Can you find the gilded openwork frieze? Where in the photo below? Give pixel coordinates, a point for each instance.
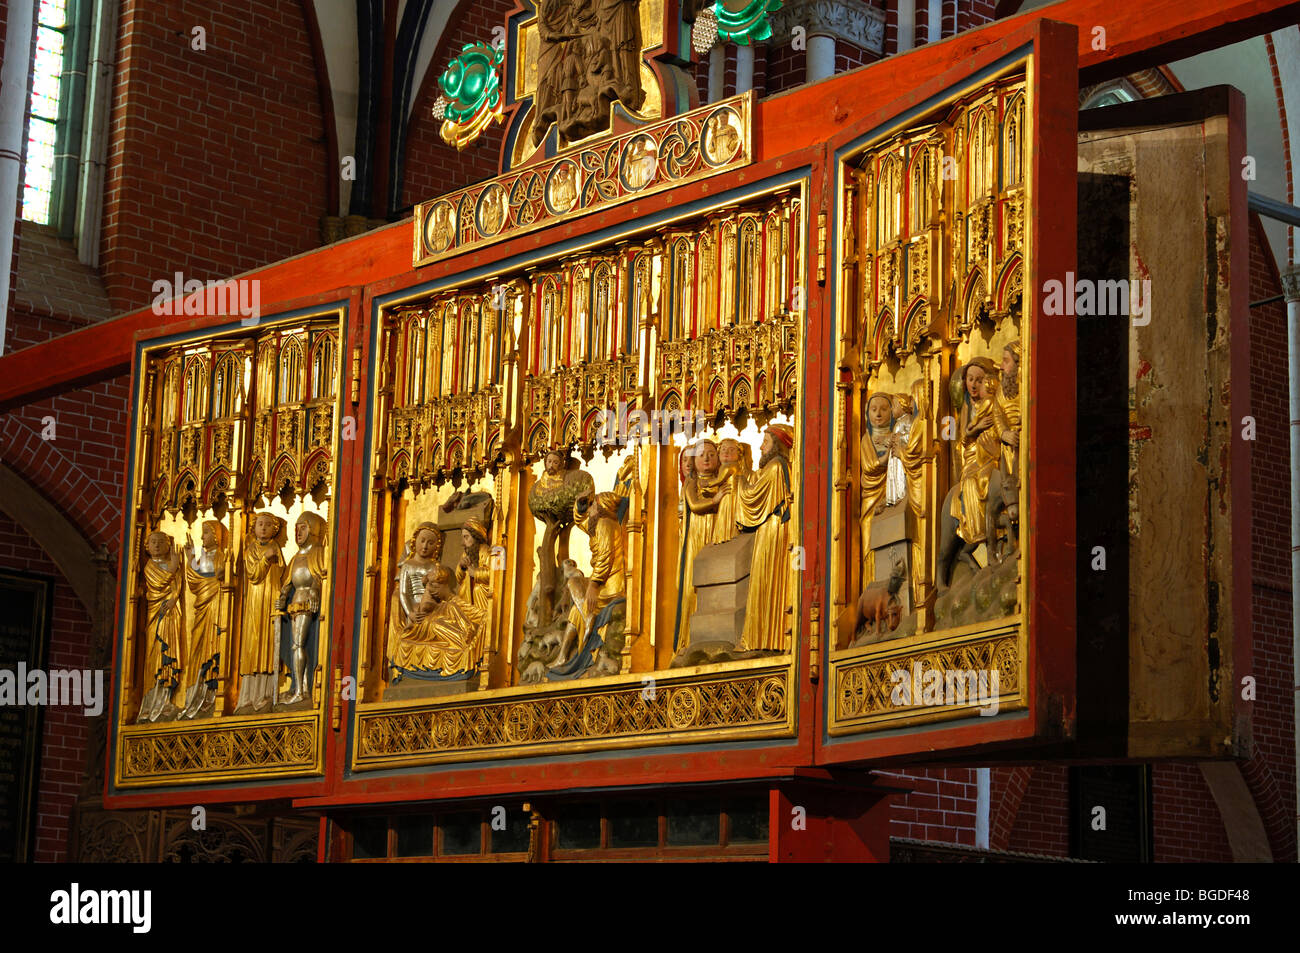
(899, 685)
(267, 748)
(235, 450)
(601, 174)
(930, 511)
(589, 469)
(754, 703)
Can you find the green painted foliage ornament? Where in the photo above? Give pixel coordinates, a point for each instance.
(471, 88)
(745, 21)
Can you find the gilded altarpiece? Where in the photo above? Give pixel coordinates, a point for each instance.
(229, 558)
(930, 477)
(583, 522)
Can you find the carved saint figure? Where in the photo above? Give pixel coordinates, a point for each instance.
(204, 574)
(259, 646)
(444, 636)
(721, 136)
(976, 454)
(1004, 481)
(551, 500)
(892, 455)
(700, 498)
(602, 602)
(300, 601)
(164, 623)
(492, 213)
(440, 230)
(639, 167)
(423, 550)
(474, 573)
(735, 464)
(763, 508)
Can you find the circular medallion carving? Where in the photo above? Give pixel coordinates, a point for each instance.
(519, 722)
(722, 136)
(491, 210)
(639, 163)
(440, 227)
(597, 715)
(771, 698)
(683, 707)
(562, 185)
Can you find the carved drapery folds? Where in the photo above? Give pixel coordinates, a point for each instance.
(233, 480)
(563, 411)
(930, 467)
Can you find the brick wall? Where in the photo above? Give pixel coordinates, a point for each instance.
(64, 730)
(973, 13)
(1042, 823)
(1274, 715)
(217, 157)
(1186, 820)
(80, 471)
(940, 806)
(433, 167)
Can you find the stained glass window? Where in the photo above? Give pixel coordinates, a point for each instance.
(39, 185)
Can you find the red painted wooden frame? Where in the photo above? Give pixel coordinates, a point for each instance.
(788, 129)
(1050, 571)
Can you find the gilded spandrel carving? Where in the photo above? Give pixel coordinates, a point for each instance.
(932, 475)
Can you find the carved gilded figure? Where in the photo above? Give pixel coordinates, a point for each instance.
(599, 615)
(444, 633)
(1003, 515)
(300, 601)
(977, 452)
(763, 508)
(474, 573)
(589, 56)
(700, 498)
(164, 623)
(640, 163)
(721, 138)
(259, 647)
(735, 464)
(892, 456)
(422, 552)
(205, 572)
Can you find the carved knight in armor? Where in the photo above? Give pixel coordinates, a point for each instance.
(299, 605)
